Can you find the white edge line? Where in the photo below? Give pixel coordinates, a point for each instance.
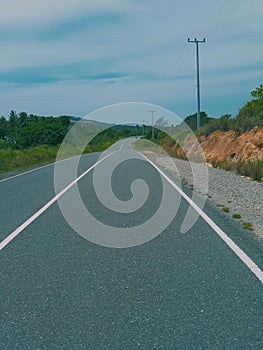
(35, 169)
(231, 244)
(41, 167)
(19, 229)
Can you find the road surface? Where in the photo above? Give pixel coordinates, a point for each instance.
(60, 290)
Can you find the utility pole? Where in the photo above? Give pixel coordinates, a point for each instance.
(143, 128)
(198, 82)
(152, 122)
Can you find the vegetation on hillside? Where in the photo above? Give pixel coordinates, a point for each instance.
(248, 117)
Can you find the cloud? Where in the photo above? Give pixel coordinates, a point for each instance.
(43, 12)
(115, 50)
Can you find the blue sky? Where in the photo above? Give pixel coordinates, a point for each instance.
(73, 57)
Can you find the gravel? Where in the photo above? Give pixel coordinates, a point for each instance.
(235, 194)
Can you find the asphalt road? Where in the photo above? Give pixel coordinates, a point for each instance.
(60, 290)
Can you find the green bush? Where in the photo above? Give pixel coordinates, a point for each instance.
(249, 116)
(236, 216)
(14, 159)
(248, 226)
(225, 209)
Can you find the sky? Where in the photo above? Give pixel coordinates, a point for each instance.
(76, 56)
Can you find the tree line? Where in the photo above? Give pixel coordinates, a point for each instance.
(21, 131)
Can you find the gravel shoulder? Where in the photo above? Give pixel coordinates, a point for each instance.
(234, 194)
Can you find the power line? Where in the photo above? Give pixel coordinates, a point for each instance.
(185, 54)
(205, 17)
(216, 14)
(177, 69)
(224, 17)
(212, 18)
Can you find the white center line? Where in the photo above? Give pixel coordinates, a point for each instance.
(231, 244)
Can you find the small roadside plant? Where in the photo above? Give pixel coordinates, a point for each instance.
(236, 216)
(225, 209)
(248, 226)
(217, 165)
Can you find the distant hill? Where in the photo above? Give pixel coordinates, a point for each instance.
(74, 119)
(89, 121)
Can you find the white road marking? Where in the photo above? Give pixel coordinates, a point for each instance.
(121, 146)
(41, 167)
(16, 232)
(231, 244)
(35, 169)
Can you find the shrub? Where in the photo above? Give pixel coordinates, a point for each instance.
(253, 169)
(225, 209)
(256, 169)
(248, 226)
(236, 216)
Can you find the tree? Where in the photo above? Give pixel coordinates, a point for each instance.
(42, 130)
(3, 128)
(191, 120)
(23, 119)
(225, 122)
(258, 93)
(251, 114)
(13, 127)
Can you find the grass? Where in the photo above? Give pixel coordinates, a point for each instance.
(253, 169)
(20, 159)
(145, 145)
(98, 147)
(12, 160)
(16, 159)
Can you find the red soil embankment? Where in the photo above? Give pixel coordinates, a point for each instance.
(221, 146)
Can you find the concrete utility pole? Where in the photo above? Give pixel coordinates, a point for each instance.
(143, 128)
(198, 82)
(152, 122)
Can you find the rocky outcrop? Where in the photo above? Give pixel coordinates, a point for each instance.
(221, 146)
